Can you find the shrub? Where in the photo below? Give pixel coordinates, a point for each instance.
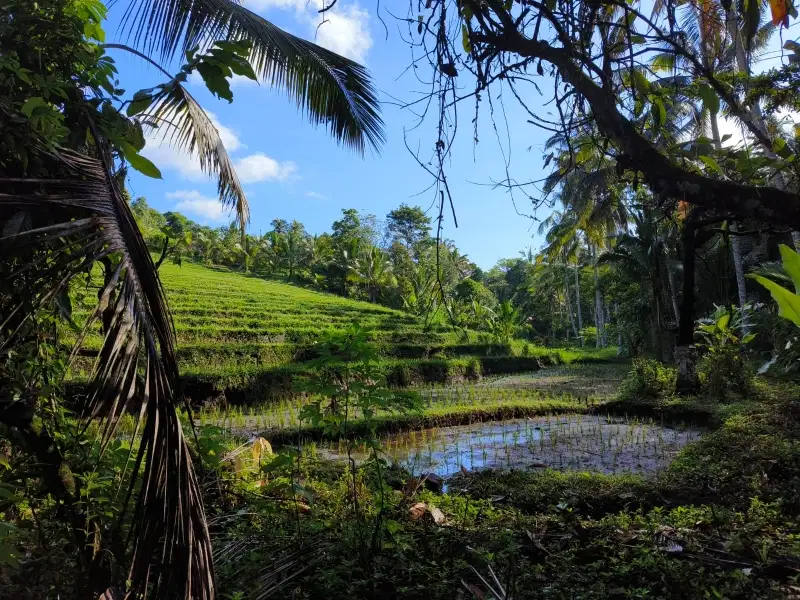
(649, 379)
(589, 335)
(722, 368)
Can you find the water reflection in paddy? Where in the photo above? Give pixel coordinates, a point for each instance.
(580, 442)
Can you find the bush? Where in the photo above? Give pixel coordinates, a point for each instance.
(722, 368)
(724, 372)
(647, 379)
(589, 335)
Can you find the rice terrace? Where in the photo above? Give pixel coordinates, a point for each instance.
(490, 301)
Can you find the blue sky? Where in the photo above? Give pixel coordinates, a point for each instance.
(292, 170)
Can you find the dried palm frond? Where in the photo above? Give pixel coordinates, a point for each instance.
(190, 130)
(77, 219)
(294, 560)
(329, 88)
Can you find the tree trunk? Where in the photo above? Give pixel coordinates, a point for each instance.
(598, 302)
(673, 288)
(569, 304)
(796, 240)
(738, 266)
(736, 242)
(686, 382)
(656, 278)
(578, 301)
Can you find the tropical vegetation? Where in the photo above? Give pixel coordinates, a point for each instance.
(198, 412)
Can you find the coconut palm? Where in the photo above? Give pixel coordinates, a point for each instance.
(504, 321)
(373, 270)
(62, 210)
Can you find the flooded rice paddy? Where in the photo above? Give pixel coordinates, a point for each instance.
(575, 442)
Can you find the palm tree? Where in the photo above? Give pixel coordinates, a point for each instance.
(504, 322)
(373, 269)
(724, 46)
(63, 210)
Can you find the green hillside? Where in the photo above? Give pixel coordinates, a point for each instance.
(247, 339)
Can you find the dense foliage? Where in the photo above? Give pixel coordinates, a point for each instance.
(664, 240)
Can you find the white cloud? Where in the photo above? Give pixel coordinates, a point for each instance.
(167, 158)
(345, 29)
(316, 195)
(260, 167)
(258, 5)
(194, 203)
(346, 33)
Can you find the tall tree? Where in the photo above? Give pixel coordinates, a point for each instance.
(373, 270)
(409, 225)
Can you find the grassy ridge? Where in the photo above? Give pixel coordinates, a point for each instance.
(247, 339)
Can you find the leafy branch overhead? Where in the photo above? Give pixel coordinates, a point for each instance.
(177, 118)
(632, 77)
(330, 89)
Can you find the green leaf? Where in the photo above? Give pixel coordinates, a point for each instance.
(748, 338)
(32, 104)
(280, 461)
(215, 80)
(788, 303)
(712, 164)
(241, 66)
(722, 322)
(640, 82)
(584, 154)
(659, 112)
(781, 148)
(139, 162)
(140, 103)
(465, 39)
(709, 98)
(791, 264)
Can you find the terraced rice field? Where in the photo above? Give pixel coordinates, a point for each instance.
(245, 339)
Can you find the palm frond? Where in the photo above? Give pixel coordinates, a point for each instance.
(190, 130)
(80, 218)
(328, 88)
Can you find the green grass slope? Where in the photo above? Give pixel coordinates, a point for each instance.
(247, 339)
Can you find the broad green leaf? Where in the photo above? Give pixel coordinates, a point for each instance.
(32, 104)
(722, 322)
(241, 66)
(584, 154)
(658, 112)
(139, 162)
(141, 102)
(215, 80)
(781, 148)
(465, 43)
(712, 164)
(788, 303)
(791, 264)
(748, 338)
(709, 98)
(640, 82)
